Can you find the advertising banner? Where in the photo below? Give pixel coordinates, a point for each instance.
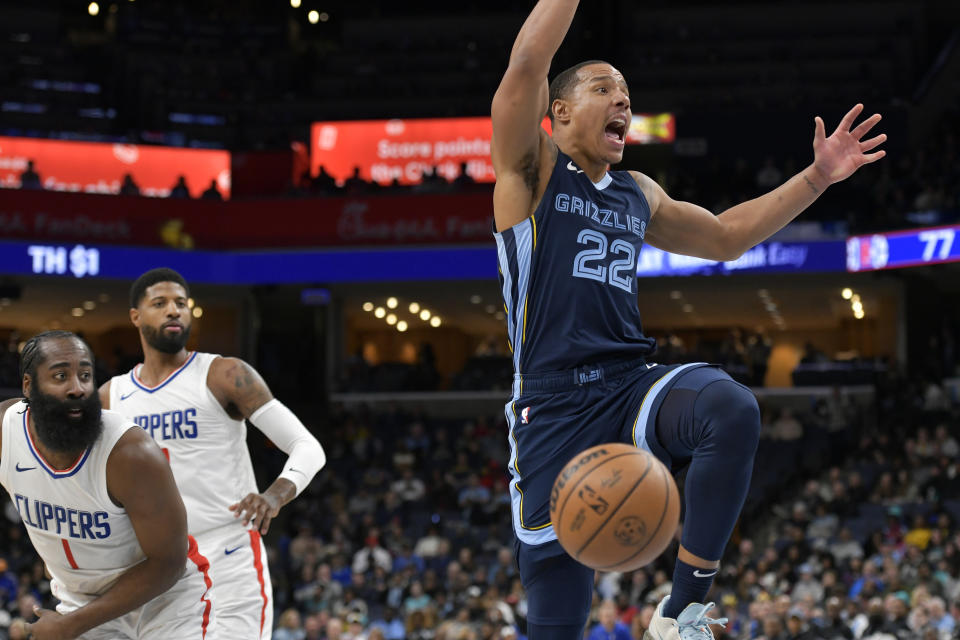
(402, 150)
(374, 264)
(189, 224)
(99, 167)
(766, 257)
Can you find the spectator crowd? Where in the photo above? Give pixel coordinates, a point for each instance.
(849, 531)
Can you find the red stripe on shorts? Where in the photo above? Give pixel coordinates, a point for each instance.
(69, 553)
(203, 566)
(258, 565)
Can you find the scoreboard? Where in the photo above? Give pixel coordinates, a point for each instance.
(897, 249)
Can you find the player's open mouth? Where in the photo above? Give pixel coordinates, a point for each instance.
(75, 413)
(616, 130)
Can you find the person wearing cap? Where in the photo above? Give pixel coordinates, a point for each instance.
(796, 626)
(834, 627)
(807, 585)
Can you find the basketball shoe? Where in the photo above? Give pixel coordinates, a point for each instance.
(691, 624)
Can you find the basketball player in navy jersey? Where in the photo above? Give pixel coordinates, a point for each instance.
(568, 235)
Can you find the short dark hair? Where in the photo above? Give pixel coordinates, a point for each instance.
(565, 81)
(30, 355)
(161, 274)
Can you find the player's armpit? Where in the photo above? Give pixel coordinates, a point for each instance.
(140, 480)
(238, 387)
(517, 193)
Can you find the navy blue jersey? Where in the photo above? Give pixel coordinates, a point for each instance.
(568, 273)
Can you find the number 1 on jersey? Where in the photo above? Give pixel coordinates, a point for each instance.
(67, 552)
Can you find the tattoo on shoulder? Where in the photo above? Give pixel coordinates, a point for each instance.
(243, 378)
(249, 392)
(810, 184)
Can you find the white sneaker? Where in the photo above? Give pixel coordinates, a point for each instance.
(691, 624)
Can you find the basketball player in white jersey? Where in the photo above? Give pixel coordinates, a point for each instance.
(194, 405)
(100, 506)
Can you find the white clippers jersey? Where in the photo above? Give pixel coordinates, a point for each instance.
(207, 448)
(85, 539)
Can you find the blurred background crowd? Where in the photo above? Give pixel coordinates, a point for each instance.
(849, 531)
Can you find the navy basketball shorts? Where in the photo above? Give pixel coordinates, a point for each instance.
(552, 417)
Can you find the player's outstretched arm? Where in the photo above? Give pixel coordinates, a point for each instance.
(140, 480)
(681, 227)
(244, 394)
(519, 106)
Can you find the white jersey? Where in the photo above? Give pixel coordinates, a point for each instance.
(85, 540)
(207, 448)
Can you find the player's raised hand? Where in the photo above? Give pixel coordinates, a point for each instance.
(259, 508)
(845, 151)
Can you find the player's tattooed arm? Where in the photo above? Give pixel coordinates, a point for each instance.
(238, 387)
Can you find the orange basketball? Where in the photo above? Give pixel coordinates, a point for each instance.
(614, 507)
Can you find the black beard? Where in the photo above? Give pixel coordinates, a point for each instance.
(60, 432)
(165, 343)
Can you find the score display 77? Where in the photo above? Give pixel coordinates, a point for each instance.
(903, 249)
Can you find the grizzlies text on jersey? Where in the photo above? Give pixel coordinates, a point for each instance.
(568, 273)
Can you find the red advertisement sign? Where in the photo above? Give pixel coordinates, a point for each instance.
(387, 150)
(97, 167)
(209, 224)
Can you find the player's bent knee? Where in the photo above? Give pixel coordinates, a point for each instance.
(735, 416)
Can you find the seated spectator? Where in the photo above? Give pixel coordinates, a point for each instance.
(834, 627)
(355, 185)
(212, 192)
(30, 179)
(129, 187)
(372, 554)
(464, 180)
(846, 547)
(180, 189)
(289, 627)
(335, 629)
(919, 535)
(786, 427)
(808, 586)
(324, 183)
(773, 628)
(417, 599)
(608, 627)
(409, 488)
